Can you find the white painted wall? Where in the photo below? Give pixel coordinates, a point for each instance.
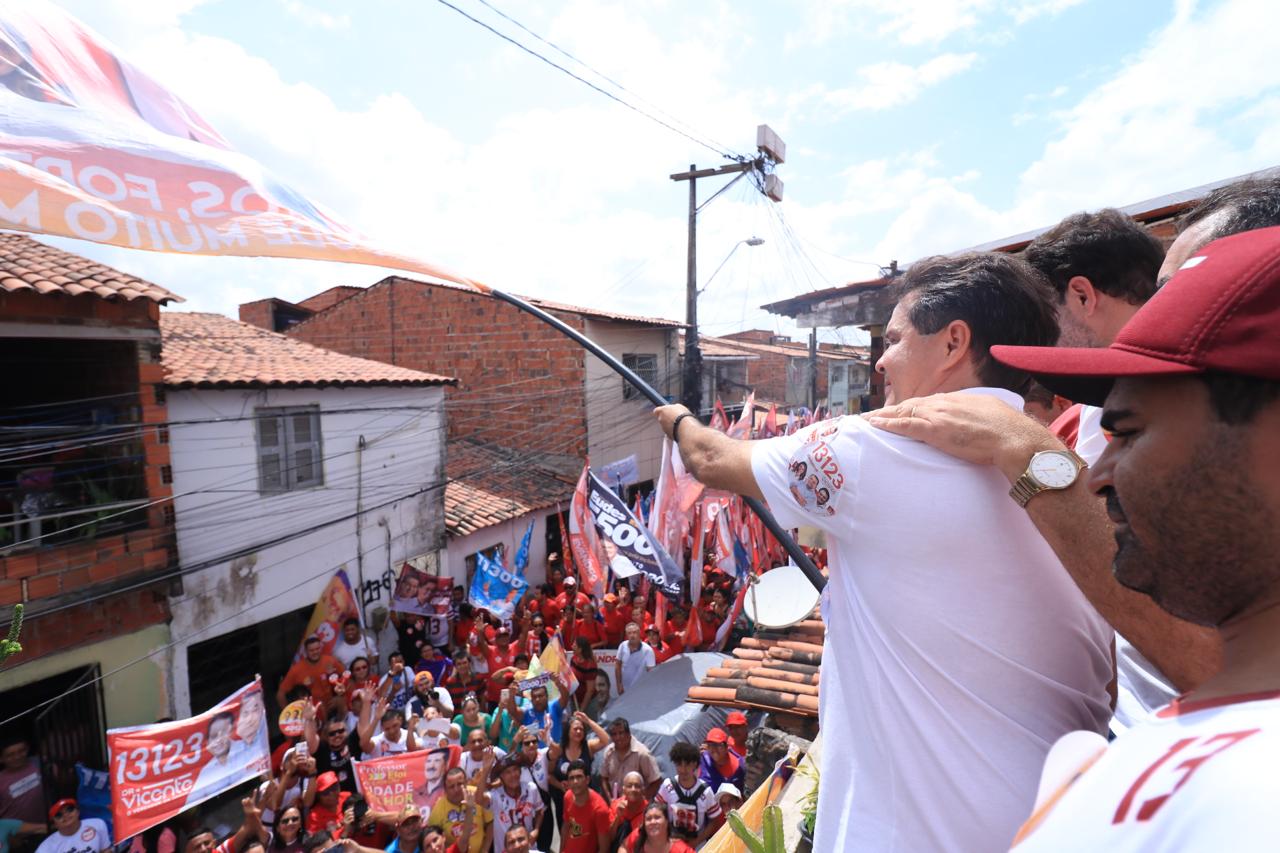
(509, 534)
(617, 427)
(219, 509)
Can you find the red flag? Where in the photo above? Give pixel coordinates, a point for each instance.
(741, 428)
(566, 549)
(693, 629)
(771, 421)
(586, 546)
(719, 417)
(660, 615)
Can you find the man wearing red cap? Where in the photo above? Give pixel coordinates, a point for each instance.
(1190, 390)
(736, 725)
(720, 763)
(74, 834)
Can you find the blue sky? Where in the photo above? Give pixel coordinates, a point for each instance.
(913, 127)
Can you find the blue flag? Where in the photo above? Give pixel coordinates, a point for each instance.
(495, 589)
(522, 553)
(94, 793)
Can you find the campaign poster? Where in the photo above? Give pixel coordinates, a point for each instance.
(629, 545)
(161, 770)
(495, 589)
(424, 595)
(391, 782)
(337, 604)
(605, 659)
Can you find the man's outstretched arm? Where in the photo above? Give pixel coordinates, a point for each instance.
(986, 431)
(709, 455)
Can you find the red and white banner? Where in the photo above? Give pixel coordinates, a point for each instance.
(94, 148)
(159, 771)
(391, 782)
(583, 539)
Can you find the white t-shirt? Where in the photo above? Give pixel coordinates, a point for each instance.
(509, 811)
(92, 837)
(470, 765)
(958, 649)
(689, 809)
(362, 647)
(1193, 776)
(536, 772)
(383, 745)
(1140, 686)
(635, 664)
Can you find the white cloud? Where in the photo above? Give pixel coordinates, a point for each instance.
(917, 22)
(316, 17)
(891, 84)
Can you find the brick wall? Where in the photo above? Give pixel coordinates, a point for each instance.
(92, 622)
(43, 574)
(258, 314)
(520, 381)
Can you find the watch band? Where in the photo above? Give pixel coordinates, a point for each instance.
(1024, 490)
(675, 425)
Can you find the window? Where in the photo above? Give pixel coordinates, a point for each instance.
(289, 449)
(643, 365)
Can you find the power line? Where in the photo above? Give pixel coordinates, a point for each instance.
(586, 82)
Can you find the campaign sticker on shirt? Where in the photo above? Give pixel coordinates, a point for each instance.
(89, 834)
(814, 472)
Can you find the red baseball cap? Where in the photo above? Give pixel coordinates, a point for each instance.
(735, 718)
(60, 805)
(326, 780)
(717, 735)
(1219, 312)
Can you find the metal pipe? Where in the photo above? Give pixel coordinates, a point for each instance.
(793, 550)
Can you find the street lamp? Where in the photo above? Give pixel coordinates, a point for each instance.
(692, 352)
(750, 241)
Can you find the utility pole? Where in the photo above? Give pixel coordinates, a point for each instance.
(813, 369)
(772, 152)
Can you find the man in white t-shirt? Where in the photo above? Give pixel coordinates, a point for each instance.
(353, 644)
(1191, 394)
(514, 802)
(74, 834)
(635, 658)
(958, 649)
(394, 738)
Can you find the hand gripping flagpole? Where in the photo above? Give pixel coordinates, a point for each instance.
(793, 550)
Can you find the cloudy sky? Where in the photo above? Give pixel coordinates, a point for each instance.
(913, 127)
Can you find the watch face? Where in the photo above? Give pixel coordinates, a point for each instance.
(1053, 469)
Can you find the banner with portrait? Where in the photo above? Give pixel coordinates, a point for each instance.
(629, 545)
(495, 589)
(391, 782)
(161, 770)
(425, 595)
(337, 604)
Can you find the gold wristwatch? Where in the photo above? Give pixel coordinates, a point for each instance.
(1047, 470)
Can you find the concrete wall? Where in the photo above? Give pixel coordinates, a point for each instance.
(219, 508)
(617, 427)
(508, 534)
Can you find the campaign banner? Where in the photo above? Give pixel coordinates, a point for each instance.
(624, 472)
(522, 553)
(391, 782)
(93, 793)
(605, 659)
(495, 589)
(425, 595)
(92, 147)
(628, 544)
(159, 771)
(337, 604)
(584, 541)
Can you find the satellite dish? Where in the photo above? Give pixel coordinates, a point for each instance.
(780, 598)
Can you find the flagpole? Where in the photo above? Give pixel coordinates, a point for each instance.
(793, 550)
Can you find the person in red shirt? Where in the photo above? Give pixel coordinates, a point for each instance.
(661, 651)
(628, 809)
(325, 801)
(656, 829)
(312, 671)
(565, 600)
(583, 661)
(555, 573)
(548, 606)
(615, 620)
(736, 725)
(499, 655)
(463, 680)
(587, 818)
(677, 624)
(465, 626)
(587, 625)
(640, 616)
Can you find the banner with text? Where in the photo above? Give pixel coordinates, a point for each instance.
(495, 589)
(159, 771)
(337, 604)
(94, 148)
(428, 596)
(390, 782)
(629, 545)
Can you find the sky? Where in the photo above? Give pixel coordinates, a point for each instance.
(913, 127)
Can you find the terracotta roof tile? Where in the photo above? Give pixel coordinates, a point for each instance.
(27, 264)
(213, 351)
(489, 485)
(775, 671)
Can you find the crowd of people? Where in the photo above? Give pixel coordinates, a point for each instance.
(508, 769)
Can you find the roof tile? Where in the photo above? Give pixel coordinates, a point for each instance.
(28, 264)
(489, 485)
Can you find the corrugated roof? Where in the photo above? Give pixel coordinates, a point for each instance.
(212, 351)
(791, 306)
(27, 264)
(489, 485)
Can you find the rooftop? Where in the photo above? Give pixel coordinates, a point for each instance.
(27, 264)
(489, 485)
(731, 348)
(212, 351)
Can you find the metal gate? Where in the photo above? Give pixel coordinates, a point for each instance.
(70, 729)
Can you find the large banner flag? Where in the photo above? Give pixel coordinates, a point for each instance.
(583, 540)
(495, 589)
(630, 546)
(522, 553)
(160, 771)
(337, 604)
(92, 147)
(393, 781)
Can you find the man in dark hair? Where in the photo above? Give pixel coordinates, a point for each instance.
(1191, 394)
(1102, 266)
(691, 803)
(1245, 205)
(587, 819)
(944, 603)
